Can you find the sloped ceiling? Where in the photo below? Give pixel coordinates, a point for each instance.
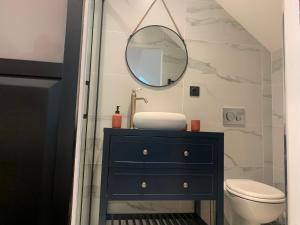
(262, 18)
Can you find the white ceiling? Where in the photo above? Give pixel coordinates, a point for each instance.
(262, 18)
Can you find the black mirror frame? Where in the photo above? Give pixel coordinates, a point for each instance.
(169, 83)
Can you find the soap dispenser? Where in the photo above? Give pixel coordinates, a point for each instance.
(117, 119)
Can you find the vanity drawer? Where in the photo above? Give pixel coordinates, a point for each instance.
(158, 150)
(155, 185)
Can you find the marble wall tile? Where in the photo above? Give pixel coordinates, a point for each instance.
(278, 119)
(267, 90)
(279, 178)
(268, 174)
(159, 99)
(116, 14)
(277, 88)
(207, 107)
(115, 91)
(158, 15)
(118, 88)
(278, 146)
(267, 111)
(216, 94)
(244, 172)
(208, 21)
(150, 206)
(277, 61)
(243, 147)
(278, 104)
(113, 53)
(229, 62)
(117, 19)
(106, 122)
(267, 144)
(267, 116)
(266, 65)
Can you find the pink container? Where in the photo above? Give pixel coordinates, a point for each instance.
(195, 125)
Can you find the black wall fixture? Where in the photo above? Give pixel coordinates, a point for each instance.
(37, 133)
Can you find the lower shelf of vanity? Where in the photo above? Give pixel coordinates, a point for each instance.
(154, 219)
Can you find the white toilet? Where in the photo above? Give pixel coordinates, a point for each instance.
(248, 202)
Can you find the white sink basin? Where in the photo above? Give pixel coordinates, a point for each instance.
(159, 121)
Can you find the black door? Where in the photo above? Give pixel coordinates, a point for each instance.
(37, 133)
(29, 118)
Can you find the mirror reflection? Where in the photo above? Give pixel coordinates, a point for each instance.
(156, 56)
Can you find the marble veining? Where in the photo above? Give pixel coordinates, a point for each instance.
(247, 132)
(277, 115)
(269, 162)
(267, 80)
(236, 46)
(277, 65)
(233, 161)
(211, 6)
(242, 47)
(278, 152)
(161, 42)
(267, 95)
(150, 206)
(235, 164)
(207, 68)
(212, 21)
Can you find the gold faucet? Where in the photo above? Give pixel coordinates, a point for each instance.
(133, 105)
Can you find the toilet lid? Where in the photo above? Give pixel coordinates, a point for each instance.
(254, 190)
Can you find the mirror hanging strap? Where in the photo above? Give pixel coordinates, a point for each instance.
(169, 13)
(148, 10)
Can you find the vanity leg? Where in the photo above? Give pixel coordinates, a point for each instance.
(219, 212)
(103, 211)
(104, 181)
(197, 207)
(220, 201)
(220, 188)
(103, 197)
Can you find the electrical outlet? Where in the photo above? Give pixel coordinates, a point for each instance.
(194, 91)
(234, 117)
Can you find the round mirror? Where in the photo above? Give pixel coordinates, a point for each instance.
(156, 56)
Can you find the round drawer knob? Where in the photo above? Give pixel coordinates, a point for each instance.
(144, 185)
(186, 153)
(185, 185)
(145, 152)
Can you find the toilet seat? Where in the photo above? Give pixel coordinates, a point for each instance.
(255, 191)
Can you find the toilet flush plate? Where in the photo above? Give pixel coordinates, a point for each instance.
(234, 117)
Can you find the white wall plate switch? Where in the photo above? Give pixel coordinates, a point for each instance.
(234, 117)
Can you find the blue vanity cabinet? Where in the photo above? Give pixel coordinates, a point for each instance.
(162, 165)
